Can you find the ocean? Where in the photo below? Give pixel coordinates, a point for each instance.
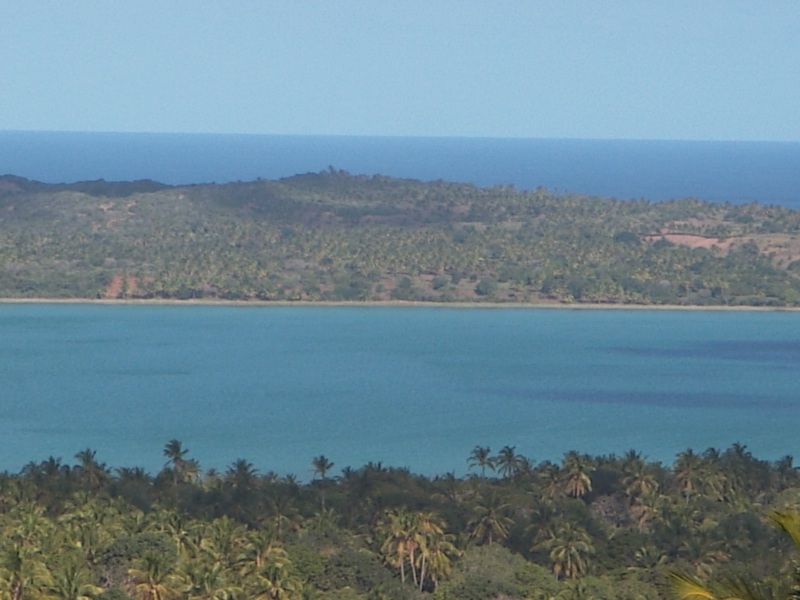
(736, 172)
(412, 387)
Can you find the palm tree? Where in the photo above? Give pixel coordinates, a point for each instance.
(321, 465)
(94, 473)
(525, 466)
(702, 552)
(786, 471)
(687, 587)
(439, 550)
(688, 470)
(174, 524)
(428, 529)
(176, 460)
(630, 458)
(87, 525)
(31, 527)
(238, 474)
(324, 522)
(154, 578)
(274, 583)
(417, 539)
(223, 540)
(481, 457)
(647, 507)
(399, 528)
(21, 567)
(260, 548)
(241, 476)
(507, 462)
(577, 470)
(71, 579)
(282, 512)
(570, 549)
(206, 580)
(491, 521)
(639, 480)
(550, 480)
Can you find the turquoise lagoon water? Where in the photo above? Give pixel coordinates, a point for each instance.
(413, 387)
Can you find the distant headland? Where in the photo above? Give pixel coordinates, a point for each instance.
(336, 237)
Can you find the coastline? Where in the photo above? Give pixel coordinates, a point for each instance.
(398, 304)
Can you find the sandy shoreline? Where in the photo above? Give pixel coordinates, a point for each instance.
(398, 304)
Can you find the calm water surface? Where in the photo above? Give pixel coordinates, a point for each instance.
(768, 172)
(416, 387)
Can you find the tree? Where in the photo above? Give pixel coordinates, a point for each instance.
(688, 470)
(21, 567)
(224, 538)
(241, 475)
(550, 480)
(94, 473)
(274, 582)
(491, 521)
(428, 531)
(570, 549)
(282, 512)
(154, 577)
(182, 469)
(639, 480)
(398, 527)
(577, 470)
(241, 480)
(207, 580)
(70, 579)
(321, 465)
(507, 462)
(260, 549)
(481, 457)
(687, 587)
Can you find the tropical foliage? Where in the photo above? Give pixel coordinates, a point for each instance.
(584, 527)
(332, 236)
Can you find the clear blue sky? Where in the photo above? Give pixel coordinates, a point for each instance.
(677, 69)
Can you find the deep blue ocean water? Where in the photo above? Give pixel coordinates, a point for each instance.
(415, 387)
(735, 172)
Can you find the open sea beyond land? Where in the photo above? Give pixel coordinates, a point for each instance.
(413, 387)
(736, 172)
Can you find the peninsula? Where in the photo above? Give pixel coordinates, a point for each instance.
(337, 237)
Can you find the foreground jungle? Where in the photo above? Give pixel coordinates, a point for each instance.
(333, 236)
(605, 527)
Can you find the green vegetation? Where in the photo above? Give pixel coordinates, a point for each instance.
(333, 236)
(607, 527)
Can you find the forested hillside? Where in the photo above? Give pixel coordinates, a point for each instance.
(332, 236)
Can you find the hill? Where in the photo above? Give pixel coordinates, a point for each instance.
(333, 236)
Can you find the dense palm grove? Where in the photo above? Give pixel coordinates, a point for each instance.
(586, 527)
(332, 236)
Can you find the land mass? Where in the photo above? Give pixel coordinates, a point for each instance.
(337, 237)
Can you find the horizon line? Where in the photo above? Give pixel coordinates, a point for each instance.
(396, 136)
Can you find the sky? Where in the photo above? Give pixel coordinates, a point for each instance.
(611, 69)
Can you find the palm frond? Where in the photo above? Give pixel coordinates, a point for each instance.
(789, 522)
(685, 587)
